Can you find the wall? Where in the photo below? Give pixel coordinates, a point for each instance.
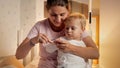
(9, 24)
(30, 13)
(109, 34)
(16, 14)
(16, 19)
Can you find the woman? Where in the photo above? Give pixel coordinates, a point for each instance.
(49, 29)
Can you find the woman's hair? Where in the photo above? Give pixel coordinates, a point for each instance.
(74, 16)
(51, 3)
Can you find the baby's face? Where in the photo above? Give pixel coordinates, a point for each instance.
(73, 29)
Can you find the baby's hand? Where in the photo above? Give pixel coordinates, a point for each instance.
(61, 43)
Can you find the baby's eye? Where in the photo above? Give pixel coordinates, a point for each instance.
(62, 14)
(67, 28)
(73, 28)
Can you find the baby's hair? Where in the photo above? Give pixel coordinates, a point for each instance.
(51, 3)
(77, 15)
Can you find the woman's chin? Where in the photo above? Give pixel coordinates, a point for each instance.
(57, 25)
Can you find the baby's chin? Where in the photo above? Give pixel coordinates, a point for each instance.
(69, 37)
(72, 38)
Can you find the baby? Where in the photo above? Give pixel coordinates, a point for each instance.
(74, 27)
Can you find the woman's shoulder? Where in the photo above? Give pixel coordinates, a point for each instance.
(41, 23)
(44, 21)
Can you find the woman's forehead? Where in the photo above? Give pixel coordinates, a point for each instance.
(58, 9)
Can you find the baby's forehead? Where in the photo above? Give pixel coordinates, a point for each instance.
(72, 20)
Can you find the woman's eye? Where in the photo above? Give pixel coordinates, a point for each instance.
(54, 15)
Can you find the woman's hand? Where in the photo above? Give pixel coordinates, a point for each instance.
(40, 38)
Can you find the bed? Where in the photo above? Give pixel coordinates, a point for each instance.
(33, 63)
(10, 62)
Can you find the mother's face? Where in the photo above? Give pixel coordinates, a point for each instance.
(57, 14)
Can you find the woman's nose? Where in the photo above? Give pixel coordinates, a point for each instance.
(58, 19)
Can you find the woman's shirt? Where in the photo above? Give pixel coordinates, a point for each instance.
(47, 60)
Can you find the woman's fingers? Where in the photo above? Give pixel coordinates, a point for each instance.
(40, 40)
(43, 38)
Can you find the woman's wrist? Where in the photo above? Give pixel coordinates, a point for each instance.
(32, 43)
(69, 47)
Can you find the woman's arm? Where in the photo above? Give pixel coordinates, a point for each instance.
(27, 44)
(90, 52)
(23, 49)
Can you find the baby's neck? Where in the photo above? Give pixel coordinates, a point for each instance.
(78, 39)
